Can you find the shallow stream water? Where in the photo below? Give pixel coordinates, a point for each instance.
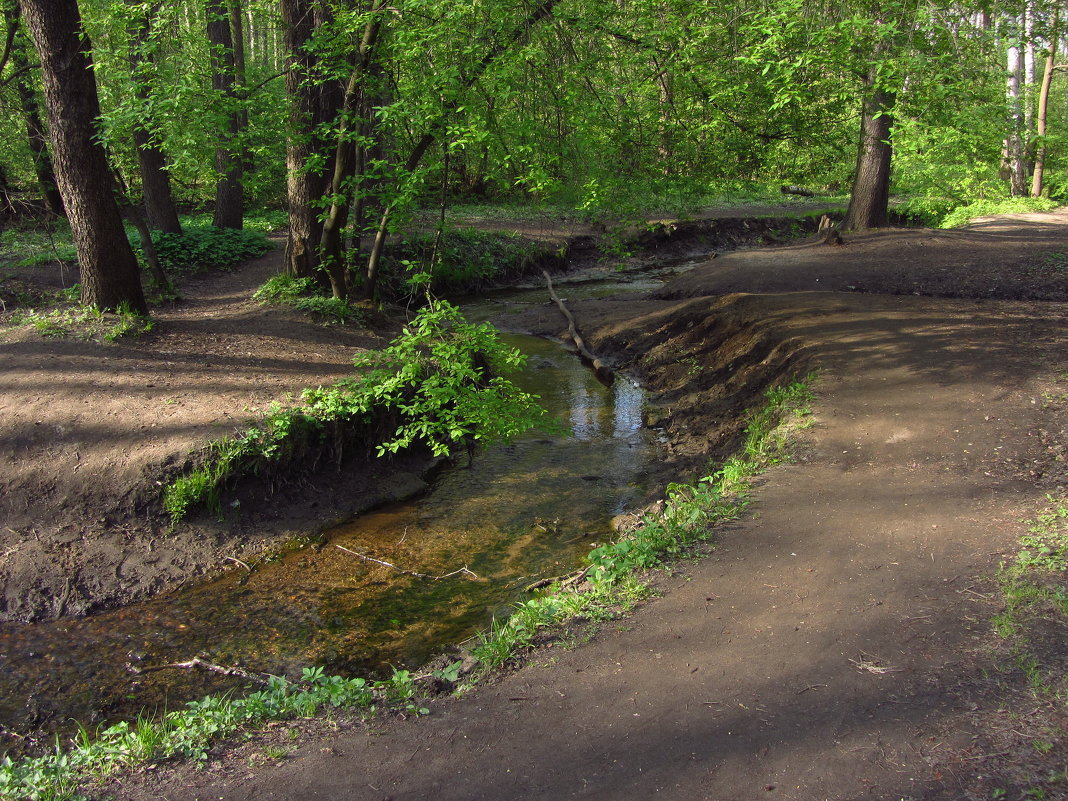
(522, 511)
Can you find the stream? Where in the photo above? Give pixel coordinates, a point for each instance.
(525, 510)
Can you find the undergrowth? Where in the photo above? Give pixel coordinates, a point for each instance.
(188, 732)
(611, 588)
(1035, 586)
(307, 295)
(201, 248)
(464, 260)
(961, 215)
(71, 319)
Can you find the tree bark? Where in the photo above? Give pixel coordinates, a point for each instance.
(871, 182)
(108, 267)
(346, 161)
(1038, 175)
(310, 104)
(155, 180)
(229, 189)
(1014, 149)
(31, 113)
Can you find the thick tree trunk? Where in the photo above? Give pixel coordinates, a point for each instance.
(155, 180)
(871, 182)
(109, 271)
(229, 190)
(310, 103)
(35, 131)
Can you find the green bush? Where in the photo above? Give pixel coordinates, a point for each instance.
(441, 383)
(197, 250)
(983, 208)
(467, 259)
(306, 295)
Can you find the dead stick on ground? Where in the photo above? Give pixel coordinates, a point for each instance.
(565, 580)
(197, 662)
(462, 571)
(600, 368)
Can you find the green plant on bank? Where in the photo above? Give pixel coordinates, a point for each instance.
(1033, 583)
(188, 732)
(464, 260)
(441, 383)
(306, 295)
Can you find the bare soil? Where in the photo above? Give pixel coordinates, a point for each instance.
(835, 645)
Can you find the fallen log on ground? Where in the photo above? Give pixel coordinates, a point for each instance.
(600, 369)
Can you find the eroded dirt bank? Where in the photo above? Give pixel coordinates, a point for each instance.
(835, 645)
(90, 430)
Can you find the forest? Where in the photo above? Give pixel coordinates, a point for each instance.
(533, 399)
(355, 116)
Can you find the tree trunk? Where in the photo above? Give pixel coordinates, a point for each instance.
(1043, 106)
(310, 104)
(1014, 151)
(109, 271)
(155, 180)
(345, 159)
(229, 190)
(35, 131)
(871, 182)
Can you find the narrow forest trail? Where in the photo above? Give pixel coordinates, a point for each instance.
(836, 644)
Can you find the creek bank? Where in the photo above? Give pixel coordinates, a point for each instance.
(91, 431)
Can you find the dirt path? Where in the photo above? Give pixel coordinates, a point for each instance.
(835, 644)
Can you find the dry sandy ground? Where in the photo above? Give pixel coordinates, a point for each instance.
(836, 643)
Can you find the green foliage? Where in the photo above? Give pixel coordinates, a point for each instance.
(30, 243)
(200, 249)
(446, 379)
(962, 214)
(189, 732)
(441, 383)
(86, 322)
(466, 259)
(1034, 586)
(306, 295)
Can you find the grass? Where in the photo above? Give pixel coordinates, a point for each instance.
(613, 587)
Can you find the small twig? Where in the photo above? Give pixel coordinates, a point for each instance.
(197, 662)
(238, 561)
(463, 570)
(565, 580)
(9, 733)
(810, 687)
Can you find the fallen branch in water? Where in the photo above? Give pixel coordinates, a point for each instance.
(197, 662)
(565, 580)
(603, 371)
(462, 571)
